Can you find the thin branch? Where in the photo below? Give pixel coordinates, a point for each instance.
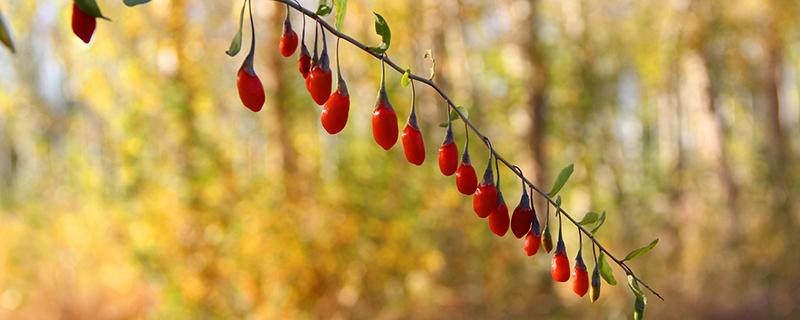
(484, 138)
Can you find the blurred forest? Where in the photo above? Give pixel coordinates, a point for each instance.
(134, 184)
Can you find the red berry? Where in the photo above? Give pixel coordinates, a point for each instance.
(319, 82)
(250, 89)
(532, 241)
(580, 278)
(485, 199)
(559, 269)
(82, 23)
(466, 179)
(448, 154)
(336, 109)
(413, 144)
(304, 62)
(498, 219)
(288, 39)
(384, 122)
(522, 217)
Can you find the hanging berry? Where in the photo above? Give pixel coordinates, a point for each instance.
(580, 278)
(485, 199)
(83, 24)
(289, 38)
(384, 119)
(320, 77)
(559, 269)
(336, 109)
(448, 152)
(251, 91)
(466, 179)
(522, 217)
(413, 144)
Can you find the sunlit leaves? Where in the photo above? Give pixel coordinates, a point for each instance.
(341, 10)
(236, 43)
(605, 269)
(90, 7)
(641, 251)
(132, 3)
(382, 29)
(562, 178)
(5, 34)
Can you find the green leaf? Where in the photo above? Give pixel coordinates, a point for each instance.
(605, 270)
(600, 221)
(589, 218)
(382, 29)
(462, 109)
(324, 8)
(405, 81)
(5, 34)
(90, 7)
(341, 10)
(562, 178)
(641, 251)
(429, 56)
(236, 43)
(132, 3)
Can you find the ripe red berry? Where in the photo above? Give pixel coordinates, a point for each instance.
(304, 62)
(413, 144)
(532, 241)
(498, 219)
(336, 109)
(485, 199)
(288, 39)
(448, 154)
(384, 122)
(83, 24)
(522, 217)
(466, 179)
(250, 89)
(580, 278)
(559, 268)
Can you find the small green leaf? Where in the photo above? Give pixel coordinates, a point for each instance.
(90, 7)
(341, 10)
(382, 29)
(236, 43)
(429, 56)
(562, 178)
(600, 221)
(605, 270)
(641, 251)
(132, 3)
(462, 109)
(589, 218)
(5, 34)
(405, 81)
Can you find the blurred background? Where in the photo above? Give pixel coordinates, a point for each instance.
(134, 184)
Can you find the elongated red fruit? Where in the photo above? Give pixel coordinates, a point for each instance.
(319, 79)
(559, 268)
(485, 199)
(522, 217)
(413, 144)
(250, 89)
(304, 62)
(288, 39)
(580, 278)
(466, 179)
(83, 24)
(384, 122)
(336, 109)
(498, 220)
(448, 154)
